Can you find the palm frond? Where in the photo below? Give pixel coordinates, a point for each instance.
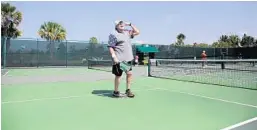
(52, 31)
(11, 18)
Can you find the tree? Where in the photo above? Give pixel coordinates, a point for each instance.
(224, 38)
(52, 32)
(93, 40)
(173, 44)
(247, 41)
(92, 47)
(180, 39)
(202, 45)
(188, 45)
(227, 41)
(234, 40)
(10, 20)
(222, 44)
(215, 44)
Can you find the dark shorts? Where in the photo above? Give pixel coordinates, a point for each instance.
(117, 71)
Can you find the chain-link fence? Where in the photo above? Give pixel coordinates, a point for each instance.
(31, 53)
(178, 52)
(38, 53)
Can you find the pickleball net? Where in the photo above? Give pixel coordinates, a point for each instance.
(231, 73)
(102, 65)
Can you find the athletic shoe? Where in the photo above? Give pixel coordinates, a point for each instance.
(116, 94)
(129, 93)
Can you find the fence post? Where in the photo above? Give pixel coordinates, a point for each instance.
(4, 52)
(37, 54)
(66, 54)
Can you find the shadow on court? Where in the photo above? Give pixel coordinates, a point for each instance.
(107, 93)
(103, 93)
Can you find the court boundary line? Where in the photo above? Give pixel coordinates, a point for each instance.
(240, 124)
(206, 97)
(65, 97)
(6, 73)
(150, 89)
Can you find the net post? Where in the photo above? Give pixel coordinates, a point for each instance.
(88, 64)
(214, 53)
(222, 63)
(149, 68)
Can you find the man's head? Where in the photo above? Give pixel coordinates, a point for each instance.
(119, 25)
(203, 51)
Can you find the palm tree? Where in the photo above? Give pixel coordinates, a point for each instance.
(10, 20)
(234, 40)
(92, 46)
(52, 32)
(180, 39)
(224, 38)
(93, 40)
(247, 40)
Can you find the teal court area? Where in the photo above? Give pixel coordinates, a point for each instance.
(80, 99)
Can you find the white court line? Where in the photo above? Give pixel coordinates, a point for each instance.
(240, 124)
(6, 73)
(212, 98)
(66, 97)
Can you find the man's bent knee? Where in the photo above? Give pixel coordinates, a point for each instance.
(129, 73)
(117, 76)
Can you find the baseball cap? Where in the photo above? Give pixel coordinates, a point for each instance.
(118, 22)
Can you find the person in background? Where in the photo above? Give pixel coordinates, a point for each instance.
(204, 58)
(136, 60)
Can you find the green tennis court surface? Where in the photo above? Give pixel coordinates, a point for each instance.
(47, 71)
(80, 99)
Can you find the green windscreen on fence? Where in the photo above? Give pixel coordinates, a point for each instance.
(38, 53)
(35, 53)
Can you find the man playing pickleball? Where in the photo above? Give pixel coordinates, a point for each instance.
(120, 48)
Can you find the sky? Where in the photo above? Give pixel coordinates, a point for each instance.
(158, 22)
